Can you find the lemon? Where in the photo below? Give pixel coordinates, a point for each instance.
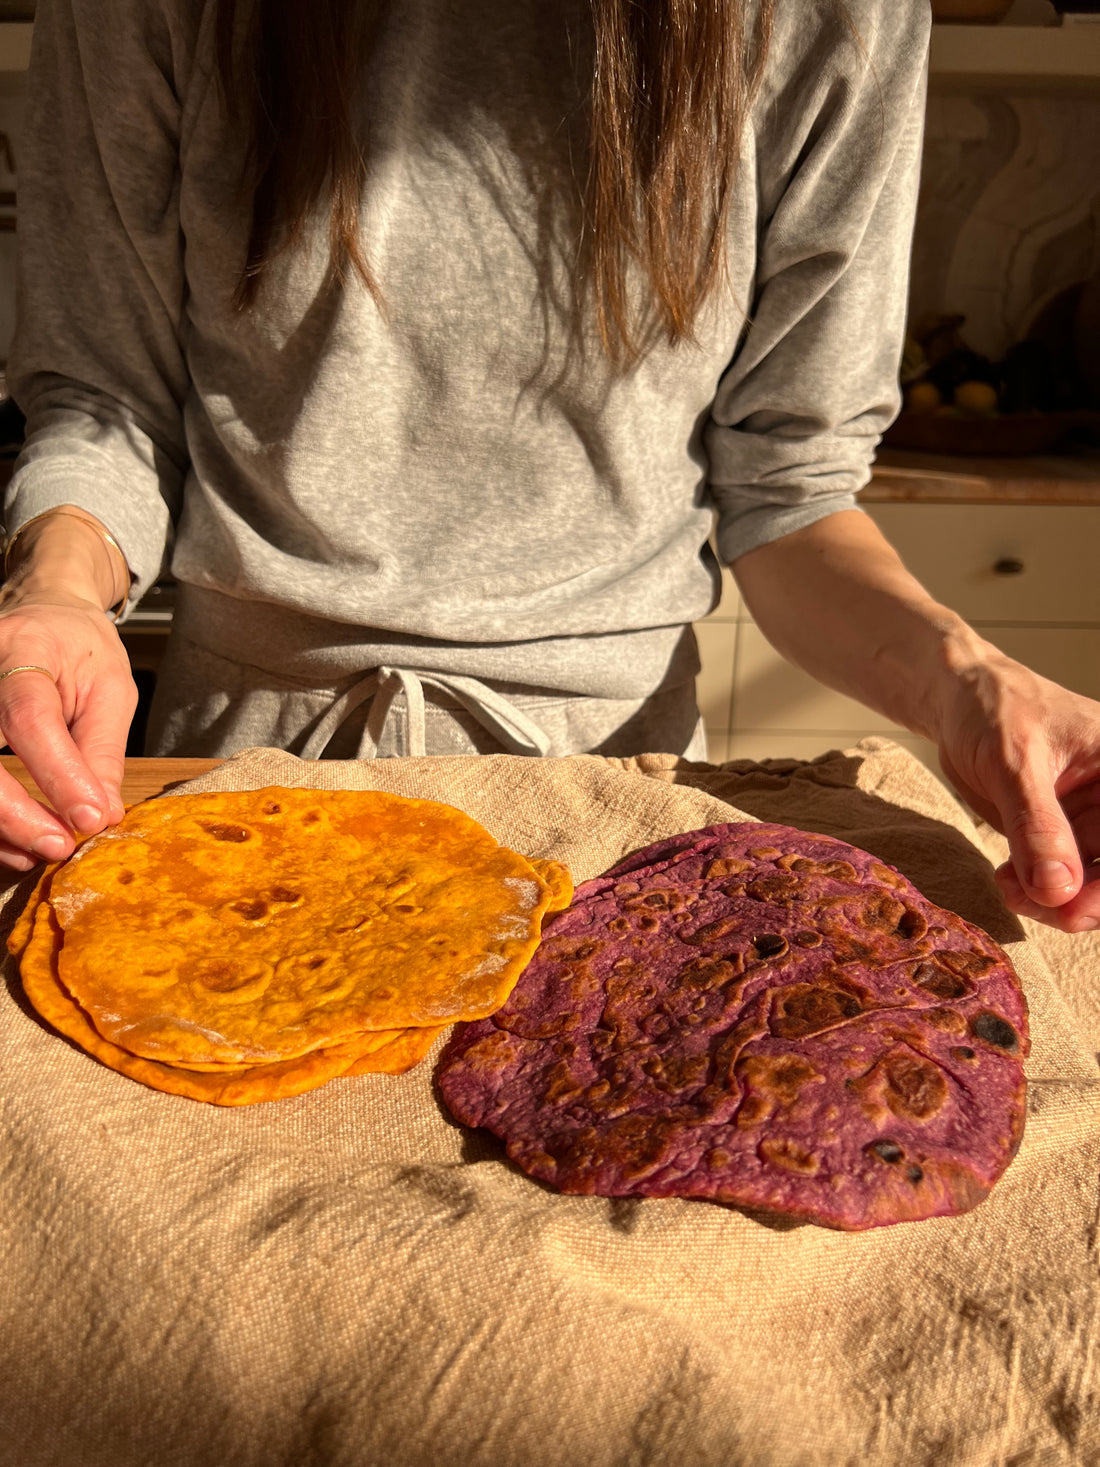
(979, 398)
(922, 397)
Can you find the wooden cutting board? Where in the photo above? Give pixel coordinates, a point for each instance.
(142, 779)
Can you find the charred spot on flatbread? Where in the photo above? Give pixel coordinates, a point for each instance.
(995, 1030)
(802, 1009)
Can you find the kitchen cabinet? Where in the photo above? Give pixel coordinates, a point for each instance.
(1000, 564)
(756, 705)
(1022, 573)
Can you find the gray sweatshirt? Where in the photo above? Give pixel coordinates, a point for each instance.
(459, 483)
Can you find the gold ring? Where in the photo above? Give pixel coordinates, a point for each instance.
(28, 667)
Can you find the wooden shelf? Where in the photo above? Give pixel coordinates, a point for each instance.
(994, 54)
(1056, 56)
(937, 478)
(15, 45)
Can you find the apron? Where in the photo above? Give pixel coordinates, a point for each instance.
(208, 706)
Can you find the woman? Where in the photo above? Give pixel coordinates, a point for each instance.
(427, 340)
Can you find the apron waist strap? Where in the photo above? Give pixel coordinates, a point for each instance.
(518, 732)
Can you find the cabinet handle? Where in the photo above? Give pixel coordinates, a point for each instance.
(1008, 565)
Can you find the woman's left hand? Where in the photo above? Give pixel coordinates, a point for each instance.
(1025, 754)
(836, 600)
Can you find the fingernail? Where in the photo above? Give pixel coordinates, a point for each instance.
(1051, 876)
(1085, 924)
(85, 818)
(51, 847)
(19, 863)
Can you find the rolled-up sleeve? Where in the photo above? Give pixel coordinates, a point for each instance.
(97, 364)
(814, 383)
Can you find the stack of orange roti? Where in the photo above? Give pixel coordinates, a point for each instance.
(248, 945)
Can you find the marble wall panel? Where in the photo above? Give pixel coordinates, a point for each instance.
(1009, 214)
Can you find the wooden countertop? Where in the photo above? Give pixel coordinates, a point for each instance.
(142, 779)
(940, 478)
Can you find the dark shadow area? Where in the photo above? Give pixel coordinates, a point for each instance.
(146, 685)
(15, 893)
(481, 1145)
(822, 797)
(777, 1222)
(15, 890)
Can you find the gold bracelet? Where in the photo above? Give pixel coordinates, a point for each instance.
(10, 542)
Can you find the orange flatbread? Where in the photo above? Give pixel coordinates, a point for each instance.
(23, 926)
(359, 1044)
(407, 1048)
(20, 934)
(560, 881)
(243, 1086)
(253, 927)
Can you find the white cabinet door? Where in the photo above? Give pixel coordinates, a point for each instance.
(1025, 575)
(1002, 563)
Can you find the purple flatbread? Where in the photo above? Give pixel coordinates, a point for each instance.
(759, 1016)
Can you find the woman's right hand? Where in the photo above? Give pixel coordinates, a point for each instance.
(68, 715)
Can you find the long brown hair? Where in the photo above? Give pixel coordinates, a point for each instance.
(673, 81)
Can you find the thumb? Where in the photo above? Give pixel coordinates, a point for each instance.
(1040, 838)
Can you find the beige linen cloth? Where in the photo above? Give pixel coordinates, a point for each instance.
(350, 1278)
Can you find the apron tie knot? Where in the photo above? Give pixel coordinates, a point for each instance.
(518, 732)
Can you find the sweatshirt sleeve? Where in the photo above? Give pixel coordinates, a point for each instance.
(97, 363)
(814, 383)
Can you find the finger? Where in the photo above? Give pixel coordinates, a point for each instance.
(1006, 877)
(28, 828)
(99, 731)
(1040, 838)
(15, 859)
(1087, 834)
(1064, 920)
(34, 725)
(1080, 914)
